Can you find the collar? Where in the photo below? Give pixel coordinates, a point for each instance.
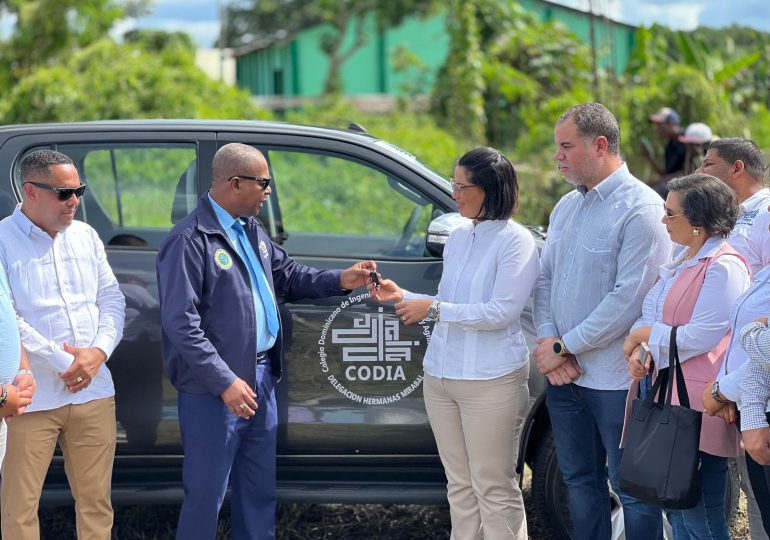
(758, 199)
(26, 225)
(223, 216)
(709, 249)
(763, 275)
(605, 188)
(488, 225)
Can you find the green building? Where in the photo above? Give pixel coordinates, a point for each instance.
(297, 67)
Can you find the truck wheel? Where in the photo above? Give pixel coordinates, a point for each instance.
(549, 492)
(552, 506)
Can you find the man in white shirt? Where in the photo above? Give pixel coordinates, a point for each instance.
(70, 313)
(739, 164)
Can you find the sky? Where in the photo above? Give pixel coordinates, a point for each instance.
(200, 18)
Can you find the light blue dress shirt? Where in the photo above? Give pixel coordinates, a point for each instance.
(602, 255)
(264, 340)
(10, 341)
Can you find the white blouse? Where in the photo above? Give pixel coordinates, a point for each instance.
(725, 281)
(489, 272)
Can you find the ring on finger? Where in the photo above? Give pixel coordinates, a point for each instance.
(79, 380)
(243, 406)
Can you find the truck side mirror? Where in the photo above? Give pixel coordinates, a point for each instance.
(439, 230)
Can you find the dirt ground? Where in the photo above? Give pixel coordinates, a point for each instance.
(308, 522)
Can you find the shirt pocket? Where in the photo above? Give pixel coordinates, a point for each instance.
(554, 236)
(600, 264)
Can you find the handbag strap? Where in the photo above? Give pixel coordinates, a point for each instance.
(674, 371)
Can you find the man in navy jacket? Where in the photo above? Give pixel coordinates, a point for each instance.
(223, 345)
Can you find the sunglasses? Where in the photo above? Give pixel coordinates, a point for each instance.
(263, 182)
(63, 193)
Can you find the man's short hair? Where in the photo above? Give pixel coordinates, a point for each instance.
(733, 149)
(494, 173)
(39, 161)
(594, 120)
(231, 159)
(707, 202)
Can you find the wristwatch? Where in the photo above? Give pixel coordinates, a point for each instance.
(715, 393)
(434, 311)
(560, 348)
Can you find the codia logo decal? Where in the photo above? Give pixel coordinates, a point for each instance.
(368, 356)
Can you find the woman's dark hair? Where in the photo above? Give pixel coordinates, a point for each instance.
(494, 173)
(707, 202)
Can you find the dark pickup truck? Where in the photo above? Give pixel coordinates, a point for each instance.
(353, 426)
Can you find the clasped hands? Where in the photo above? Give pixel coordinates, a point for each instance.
(83, 368)
(726, 411)
(559, 370)
(631, 349)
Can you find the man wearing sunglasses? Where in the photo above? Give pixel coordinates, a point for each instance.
(70, 313)
(219, 277)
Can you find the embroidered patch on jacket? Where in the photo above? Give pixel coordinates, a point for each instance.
(223, 259)
(263, 249)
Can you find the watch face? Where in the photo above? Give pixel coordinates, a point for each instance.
(557, 348)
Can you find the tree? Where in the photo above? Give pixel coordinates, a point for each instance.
(250, 21)
(503, 57)
(47, 29)
(147, 78)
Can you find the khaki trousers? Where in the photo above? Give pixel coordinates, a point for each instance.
(86, 435)
(477, 426)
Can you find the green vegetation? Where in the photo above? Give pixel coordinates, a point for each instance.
(507, 79)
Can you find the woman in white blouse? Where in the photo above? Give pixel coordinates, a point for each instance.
(477, 362)
(695, 292)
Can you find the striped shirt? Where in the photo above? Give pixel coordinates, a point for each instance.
(602, 255)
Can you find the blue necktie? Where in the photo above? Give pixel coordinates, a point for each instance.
(262, 287)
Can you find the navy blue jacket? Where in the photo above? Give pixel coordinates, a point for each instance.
(207, 310)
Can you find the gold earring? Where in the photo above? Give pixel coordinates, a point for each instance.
(696, 232)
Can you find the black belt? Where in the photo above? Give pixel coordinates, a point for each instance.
(261, 358)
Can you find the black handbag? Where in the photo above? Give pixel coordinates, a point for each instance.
(660, 463)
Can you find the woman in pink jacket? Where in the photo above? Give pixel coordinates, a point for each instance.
(695, 291)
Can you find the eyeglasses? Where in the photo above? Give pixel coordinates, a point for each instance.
(669, 215)
(63, 193)
(262, 181)
(459, 188)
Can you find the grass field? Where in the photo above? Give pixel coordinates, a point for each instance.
(309, 522)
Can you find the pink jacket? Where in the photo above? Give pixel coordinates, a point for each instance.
(717, 437)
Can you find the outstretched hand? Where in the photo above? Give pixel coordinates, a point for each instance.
(387, 291)
(357, 275)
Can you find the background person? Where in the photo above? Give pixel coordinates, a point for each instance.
(219, 276)
(739, 164)
(667, 121)
(17, 383)
(755, 412)
(696, 138)
(605, 243)
(70, 314)
(695, 292)
(477, 362)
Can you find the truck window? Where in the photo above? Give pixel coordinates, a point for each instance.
(136, 191)
(334, 206)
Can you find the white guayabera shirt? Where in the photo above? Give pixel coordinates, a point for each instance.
(64, 291)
